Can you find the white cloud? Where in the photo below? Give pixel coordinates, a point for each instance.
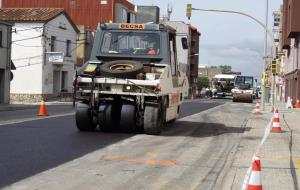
(244, 56)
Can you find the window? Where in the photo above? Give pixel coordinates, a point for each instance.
(173, 55)
(124, 15)
(52, 43)
(1, 39)
(68, 48)
(135, 43)
(64, 81)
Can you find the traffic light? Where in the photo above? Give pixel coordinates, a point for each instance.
(189, 10)
(274, 67)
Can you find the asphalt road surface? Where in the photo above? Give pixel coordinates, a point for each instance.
(51, 154)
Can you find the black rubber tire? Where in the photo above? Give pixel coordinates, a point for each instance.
(164, 106)
(128, 118)
(153, 121)
(175, 119)
(108, 117)
(234, 99)
(251, 100)
(84, 120)
(107, 71)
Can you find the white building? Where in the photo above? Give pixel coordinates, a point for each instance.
(5, 66)
(37, 34)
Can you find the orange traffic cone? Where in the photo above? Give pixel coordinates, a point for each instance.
(43, 110)
(289, 103)
(255, 179)
(297, 105)
(257, 109)
(276, 122)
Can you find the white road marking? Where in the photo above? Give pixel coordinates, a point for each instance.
(33, 119)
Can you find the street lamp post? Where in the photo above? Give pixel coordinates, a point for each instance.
(268, 33)
(265, 57)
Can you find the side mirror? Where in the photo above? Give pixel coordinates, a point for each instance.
(184, 43)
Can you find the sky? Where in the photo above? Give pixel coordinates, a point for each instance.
(226, 39)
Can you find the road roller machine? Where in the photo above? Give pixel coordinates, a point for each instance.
(132, 82)
(243, 90)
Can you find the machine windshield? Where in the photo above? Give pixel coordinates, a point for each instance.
(132, 43)
(223, 83)
(243, 82)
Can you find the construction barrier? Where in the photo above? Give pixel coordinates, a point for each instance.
(249, 171)
(257, 109)
(43, 110)
(276, 122)
(289, 103)
(255, 178)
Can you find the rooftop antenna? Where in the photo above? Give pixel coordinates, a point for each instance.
(170, 10)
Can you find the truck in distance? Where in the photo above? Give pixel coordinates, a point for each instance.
(132, 82)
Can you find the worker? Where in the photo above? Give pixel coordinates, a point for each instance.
(151, 48)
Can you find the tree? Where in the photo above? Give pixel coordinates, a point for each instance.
(203, 82)
(225, 68)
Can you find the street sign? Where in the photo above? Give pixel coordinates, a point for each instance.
(281, 53)
(189, 10)
(55, 57)
(279, 80)
(103, 2)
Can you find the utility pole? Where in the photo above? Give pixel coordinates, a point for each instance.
(265, 58)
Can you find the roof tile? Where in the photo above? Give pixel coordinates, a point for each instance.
(29, 14)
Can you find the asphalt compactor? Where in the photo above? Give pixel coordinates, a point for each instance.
(132, 82)
(243, 90)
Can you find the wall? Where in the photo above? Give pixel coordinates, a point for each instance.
(285, 21)
(5, 52)
(82, 12)
(194, 52)
(34, 75)
(27, 56)
(62, 35)
(293, 28)
(292, 70)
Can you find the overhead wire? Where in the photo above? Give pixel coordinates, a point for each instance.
(29, 64)
(25, 45)
(47, 29)
(21, 30)
(27, 39)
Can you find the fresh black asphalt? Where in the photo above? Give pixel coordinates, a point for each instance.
(31, 147)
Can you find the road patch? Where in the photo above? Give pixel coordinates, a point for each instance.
(137, 161)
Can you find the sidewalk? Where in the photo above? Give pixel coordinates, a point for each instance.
(20, 106)
(280, 154)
